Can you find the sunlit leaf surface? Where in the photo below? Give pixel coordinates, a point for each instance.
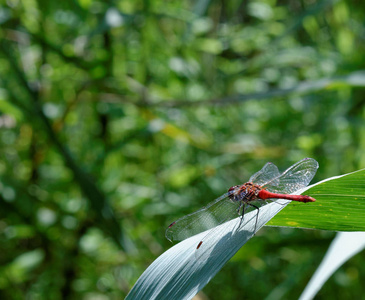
(340, 206)
(183, 270)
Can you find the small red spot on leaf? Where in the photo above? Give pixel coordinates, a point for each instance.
(172, 224)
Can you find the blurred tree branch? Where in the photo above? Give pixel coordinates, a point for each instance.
(75, 60)
(355, 79)
(96, 198)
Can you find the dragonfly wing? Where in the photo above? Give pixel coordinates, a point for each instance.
(209, 245)
(294, 178)
(215, 213)
(269, 173)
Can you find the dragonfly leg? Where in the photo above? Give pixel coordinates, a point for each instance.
(241, 206)
(257, 216)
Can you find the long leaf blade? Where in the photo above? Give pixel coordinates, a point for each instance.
(343, 247)
(180, 273)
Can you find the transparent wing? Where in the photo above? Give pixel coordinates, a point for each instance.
(215, 213)
(269, 172)
(225, 234)
(294, 178)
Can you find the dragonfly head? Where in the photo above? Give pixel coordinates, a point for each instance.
(232, 189)
(233, 192)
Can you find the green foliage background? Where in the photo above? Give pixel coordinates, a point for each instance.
(117, 117)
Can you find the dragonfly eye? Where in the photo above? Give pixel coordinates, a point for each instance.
(233, 193)
(232, 188)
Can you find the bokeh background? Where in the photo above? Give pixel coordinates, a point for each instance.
(117, 117)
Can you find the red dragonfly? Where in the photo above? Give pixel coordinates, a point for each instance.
(265, 185)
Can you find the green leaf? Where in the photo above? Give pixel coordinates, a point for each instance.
(340, 206)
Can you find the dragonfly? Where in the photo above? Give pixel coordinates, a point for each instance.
(267, 185)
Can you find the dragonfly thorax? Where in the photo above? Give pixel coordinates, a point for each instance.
(246, 192)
